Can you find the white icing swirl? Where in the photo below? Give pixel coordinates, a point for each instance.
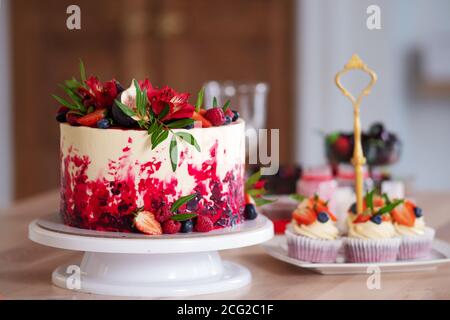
(416, 230)
(316, 230)
(371, 230)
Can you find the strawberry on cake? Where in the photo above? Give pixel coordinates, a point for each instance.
(144, 159)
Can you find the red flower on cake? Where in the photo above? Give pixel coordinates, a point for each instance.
(179, 106)
(100, 95)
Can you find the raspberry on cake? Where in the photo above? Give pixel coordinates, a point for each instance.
(133, 159)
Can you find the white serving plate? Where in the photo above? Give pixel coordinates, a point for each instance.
(440, 253)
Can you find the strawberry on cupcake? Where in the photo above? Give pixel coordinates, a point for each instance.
(312, 235)
(416, 237)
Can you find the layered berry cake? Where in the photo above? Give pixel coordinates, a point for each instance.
(144, 159)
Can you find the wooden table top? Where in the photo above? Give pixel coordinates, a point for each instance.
(26, 267)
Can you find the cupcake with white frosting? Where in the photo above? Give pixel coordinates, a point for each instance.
(372, 236)
(409, 224)
(312, 235)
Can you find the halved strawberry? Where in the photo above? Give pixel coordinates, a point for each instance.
(378, 201)
(385, 217)
(404, 214)
(205, 122)
(91, 119)
(146, 222)
(305, 216)
(361, 218)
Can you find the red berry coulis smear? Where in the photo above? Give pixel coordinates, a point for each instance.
(108, 204)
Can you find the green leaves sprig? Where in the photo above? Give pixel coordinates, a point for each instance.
(256, 193)
(177, 204)
(226, 106)
(199, 103)
(297, 197)
(388, 207)
(181, 201)
(157, 129)
(70, 87)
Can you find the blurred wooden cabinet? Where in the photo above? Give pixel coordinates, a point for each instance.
(175, 42)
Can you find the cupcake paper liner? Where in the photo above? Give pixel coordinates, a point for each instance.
(416, 247)
(312, 250)
(371, 250)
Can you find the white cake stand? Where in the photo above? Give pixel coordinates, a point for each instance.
(137, 265)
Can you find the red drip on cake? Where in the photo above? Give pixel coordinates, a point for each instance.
(109, 204)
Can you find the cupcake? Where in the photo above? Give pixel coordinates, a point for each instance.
(416, 237)
(371, 236)
(312, 235)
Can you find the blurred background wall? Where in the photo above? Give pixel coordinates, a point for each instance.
(330, 32)
(296, 46)
(6, 177)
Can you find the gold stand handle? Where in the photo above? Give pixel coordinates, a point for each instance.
(358, 160)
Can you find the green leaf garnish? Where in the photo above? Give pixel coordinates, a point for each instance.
(332, 137)
(199, 103)
(64, 102)
(386, 198)
(125, 109)
(256, 192)
(189, 138)
(389, 207)
(182, 201)
(158, 137)
(73, 84)
(82, 73)
(173, 150)
(181, 123)
(183, 217)
(252, 179)
(369, 199)
(141, 100)
(226, 105)
(215, 104)
(164, 112)
(297, 197)
(262, 201)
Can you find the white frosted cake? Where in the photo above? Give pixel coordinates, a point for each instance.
(108, 174)
(145, 160)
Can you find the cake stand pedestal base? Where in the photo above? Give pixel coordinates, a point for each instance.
(137, 265)
(152, 275)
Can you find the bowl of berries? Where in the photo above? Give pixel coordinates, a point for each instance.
(381, 147)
